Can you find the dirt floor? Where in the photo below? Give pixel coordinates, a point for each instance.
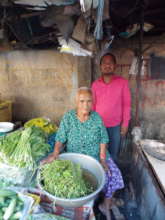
(126, 203)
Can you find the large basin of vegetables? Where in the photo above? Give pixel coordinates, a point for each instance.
(86, 163)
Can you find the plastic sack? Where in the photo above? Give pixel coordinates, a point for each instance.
(16, 175)
(73, 47)
(88, 4)
(42, 4)
(46, 216)
(28, 202)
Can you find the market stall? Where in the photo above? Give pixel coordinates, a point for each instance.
(60, 188)
(50, 48)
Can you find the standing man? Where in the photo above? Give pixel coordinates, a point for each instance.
(112, 101)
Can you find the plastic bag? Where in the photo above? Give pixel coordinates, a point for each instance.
(28, 202)
(46, 216)
(21, 210)
(16, 175)
(87, 4)
(73, 47)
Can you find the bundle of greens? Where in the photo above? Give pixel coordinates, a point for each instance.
(8, 144)
(63, 178)
(24, 148)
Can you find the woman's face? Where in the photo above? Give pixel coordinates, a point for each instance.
(84, 103)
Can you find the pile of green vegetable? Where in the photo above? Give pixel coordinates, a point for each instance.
(11, 205)
(64, 179)
(42, 123)
(23, 148)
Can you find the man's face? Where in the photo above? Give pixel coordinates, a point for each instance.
(107, 65)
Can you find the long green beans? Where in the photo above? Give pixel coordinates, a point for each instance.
(64, 179)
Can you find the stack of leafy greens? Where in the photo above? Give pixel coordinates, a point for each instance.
(23, 148)
(63, 178)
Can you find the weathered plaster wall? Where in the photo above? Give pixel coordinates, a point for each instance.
(42, 83)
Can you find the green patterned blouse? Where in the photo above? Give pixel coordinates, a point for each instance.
(82, 137)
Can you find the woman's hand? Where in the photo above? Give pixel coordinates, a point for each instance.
(104, 165)
(54, 155)
(49, 159)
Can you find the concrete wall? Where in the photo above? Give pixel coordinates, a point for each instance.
(42, 83)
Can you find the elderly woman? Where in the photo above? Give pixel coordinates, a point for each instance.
(82, 131)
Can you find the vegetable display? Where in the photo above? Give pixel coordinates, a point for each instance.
(20, 153)
(11, 205)
(63, 178)
(24, 148)
(42, 123)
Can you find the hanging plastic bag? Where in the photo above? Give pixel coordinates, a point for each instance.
(88, 4)
(73, 47)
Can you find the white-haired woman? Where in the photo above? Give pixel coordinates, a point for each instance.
(82, 131)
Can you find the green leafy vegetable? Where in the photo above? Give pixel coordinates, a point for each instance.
(24, 148)
(64, 179)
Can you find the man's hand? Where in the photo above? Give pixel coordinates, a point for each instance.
(123, 131)
(49, 159)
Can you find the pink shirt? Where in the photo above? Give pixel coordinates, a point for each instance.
(112, 101)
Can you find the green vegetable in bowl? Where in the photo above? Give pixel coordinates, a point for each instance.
(63, 178)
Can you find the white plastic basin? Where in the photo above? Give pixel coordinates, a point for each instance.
(6, 126)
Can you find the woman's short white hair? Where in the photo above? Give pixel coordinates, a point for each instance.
(83, 90)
